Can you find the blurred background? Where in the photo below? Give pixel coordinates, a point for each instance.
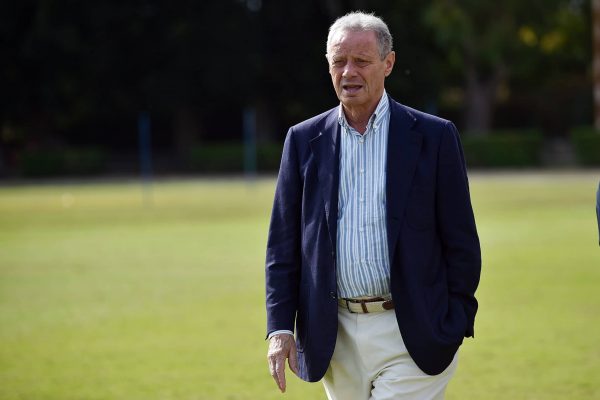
(116, 287)
(101, 87)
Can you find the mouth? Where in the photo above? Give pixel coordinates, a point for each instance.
(351, 88)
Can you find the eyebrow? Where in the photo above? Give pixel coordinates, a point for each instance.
(359, 55)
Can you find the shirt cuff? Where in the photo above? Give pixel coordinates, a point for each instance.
(278, 332)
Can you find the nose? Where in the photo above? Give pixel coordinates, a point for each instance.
(349, 70)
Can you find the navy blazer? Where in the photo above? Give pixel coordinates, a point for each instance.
(435, 259)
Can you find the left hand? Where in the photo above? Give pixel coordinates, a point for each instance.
(282, 346)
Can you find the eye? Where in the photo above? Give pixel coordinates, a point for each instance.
(338, 63)
(362, 63)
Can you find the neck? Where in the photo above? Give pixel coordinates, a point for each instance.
(358, 116)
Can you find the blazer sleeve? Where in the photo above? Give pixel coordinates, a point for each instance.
(456, 223)
(282, 267)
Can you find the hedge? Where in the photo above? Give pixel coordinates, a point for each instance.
(516, 148)
(54, 162)
(586, 141)
(229, 157)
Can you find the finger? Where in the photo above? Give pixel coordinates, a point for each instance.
(293, 359)
(280, 371)
(276, 378)
(273, 369)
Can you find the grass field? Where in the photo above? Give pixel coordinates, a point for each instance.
(105, 295)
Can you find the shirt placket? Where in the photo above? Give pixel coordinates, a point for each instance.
(362, 194)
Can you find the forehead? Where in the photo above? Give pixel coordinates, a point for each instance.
(354, 42)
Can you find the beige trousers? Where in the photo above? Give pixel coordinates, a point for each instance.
(371, 362)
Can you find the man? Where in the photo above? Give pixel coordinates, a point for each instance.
(373, 257)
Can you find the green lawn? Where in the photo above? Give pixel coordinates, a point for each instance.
(107, 294)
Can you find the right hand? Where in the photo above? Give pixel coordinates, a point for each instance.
(282, 346)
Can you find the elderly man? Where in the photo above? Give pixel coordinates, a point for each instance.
(373, 256)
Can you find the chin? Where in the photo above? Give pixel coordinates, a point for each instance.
(351, 100)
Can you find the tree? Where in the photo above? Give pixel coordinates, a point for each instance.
(488, 42)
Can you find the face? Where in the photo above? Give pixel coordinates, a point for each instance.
(357, 70)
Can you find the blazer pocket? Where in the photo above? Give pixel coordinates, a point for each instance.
(420, 210)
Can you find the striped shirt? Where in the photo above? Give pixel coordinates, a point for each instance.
(363, 266)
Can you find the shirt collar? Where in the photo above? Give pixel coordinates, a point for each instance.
(381, 111)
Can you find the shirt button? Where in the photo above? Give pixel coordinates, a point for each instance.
(333, 295)
(364, 260)
(361, 140)
(360, 229)
(362, 200)
(362, 171)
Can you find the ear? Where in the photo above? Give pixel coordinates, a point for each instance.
(389, 61)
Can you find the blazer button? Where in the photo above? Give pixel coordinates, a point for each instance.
(333, 295)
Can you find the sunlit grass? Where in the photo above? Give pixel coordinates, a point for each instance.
(110, 291)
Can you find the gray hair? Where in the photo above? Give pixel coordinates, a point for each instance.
(359, 21)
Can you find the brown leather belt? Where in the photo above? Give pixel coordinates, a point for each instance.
(367, 305)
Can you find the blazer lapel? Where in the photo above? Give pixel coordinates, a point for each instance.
(326, 150)
(404, 145)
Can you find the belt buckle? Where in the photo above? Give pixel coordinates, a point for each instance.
(363, 305)
(348, 306)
